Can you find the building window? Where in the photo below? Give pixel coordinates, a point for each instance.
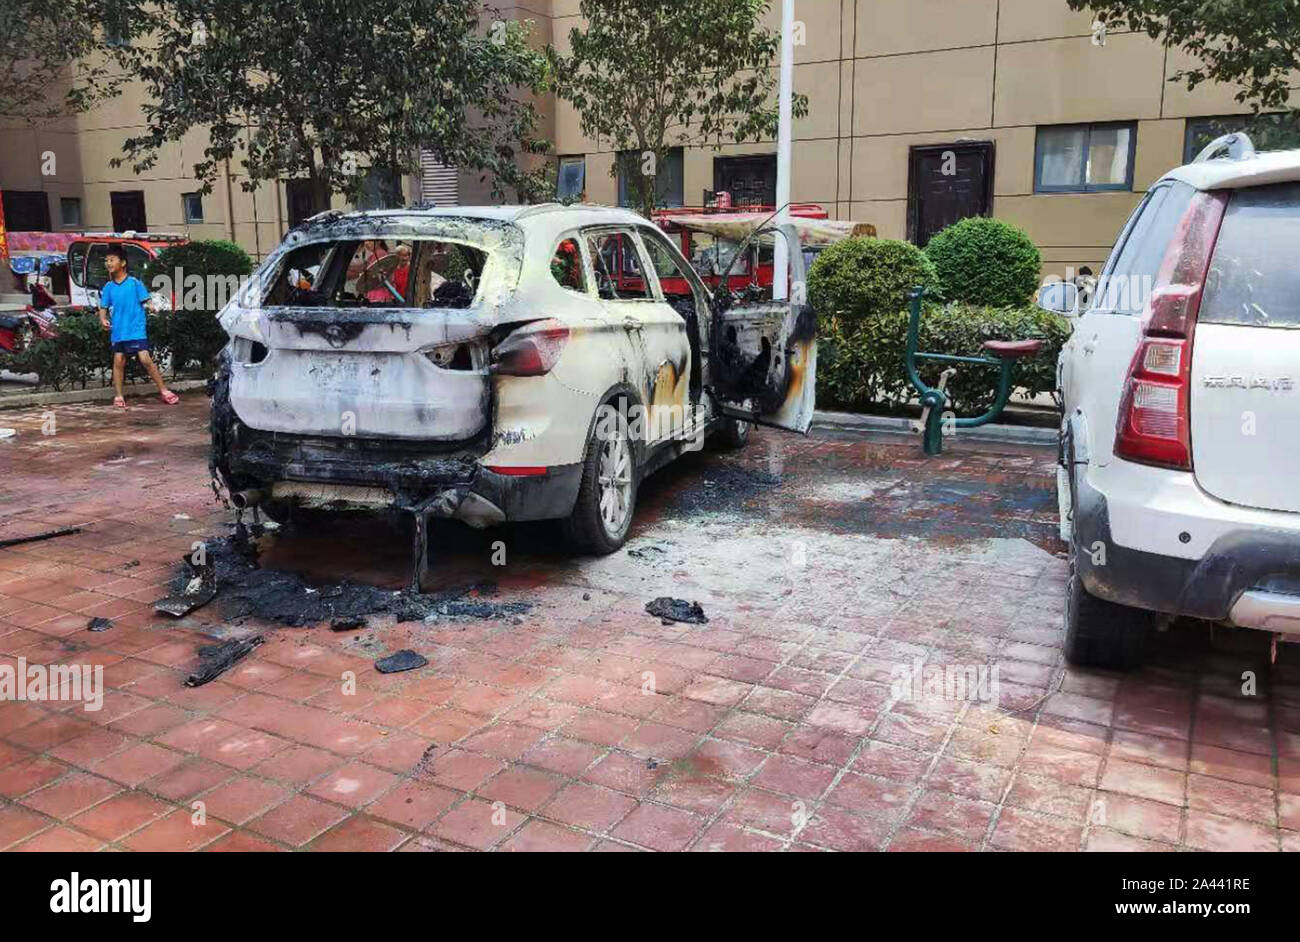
(116, 26)
(571, 179)
(26, 210)
(302, 201)
(669, 178)
(70, 212)
(1085, 158)
(1267, 131)
(381, 189)
(751, 181)
(192, 204)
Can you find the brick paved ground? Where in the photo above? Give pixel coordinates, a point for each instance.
(585, 724)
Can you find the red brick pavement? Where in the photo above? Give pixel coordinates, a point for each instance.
(585, 724)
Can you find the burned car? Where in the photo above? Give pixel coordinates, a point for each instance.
(492, 365)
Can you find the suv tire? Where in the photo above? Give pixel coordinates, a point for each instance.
(1099, 633)
(733, 434)
(606, 501)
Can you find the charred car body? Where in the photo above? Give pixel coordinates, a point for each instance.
(486, 365)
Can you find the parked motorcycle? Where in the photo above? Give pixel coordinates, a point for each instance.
(19, 329)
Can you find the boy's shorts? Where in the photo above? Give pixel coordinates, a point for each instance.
(131, 346)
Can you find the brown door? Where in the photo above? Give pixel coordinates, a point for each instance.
(945, 184)
(128, 211)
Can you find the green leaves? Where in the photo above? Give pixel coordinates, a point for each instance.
(986, 261)
(649, 75)
(857, 280)
(39, 40)
(1252, 43)
(328, 89)
(860, 365)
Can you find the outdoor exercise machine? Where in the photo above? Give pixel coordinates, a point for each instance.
(1002, 354)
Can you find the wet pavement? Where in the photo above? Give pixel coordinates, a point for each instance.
(558, 714)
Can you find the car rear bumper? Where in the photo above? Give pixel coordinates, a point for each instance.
(1245, 572)
(365, 474)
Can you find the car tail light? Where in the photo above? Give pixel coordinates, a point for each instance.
(1155, 413)
(532, 350)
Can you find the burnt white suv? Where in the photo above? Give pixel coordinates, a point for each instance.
(493, 364)
(1180, 445)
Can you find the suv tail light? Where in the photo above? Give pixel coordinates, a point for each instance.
(1155, 412)
(531, 350)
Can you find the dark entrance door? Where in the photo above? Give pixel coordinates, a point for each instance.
(128, 211)
(26, 211)
(751, 181)
(945, 184)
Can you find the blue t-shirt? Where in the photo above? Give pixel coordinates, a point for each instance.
(125, 299)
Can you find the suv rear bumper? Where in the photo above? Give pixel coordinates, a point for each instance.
(1221, 579)
(371, 474)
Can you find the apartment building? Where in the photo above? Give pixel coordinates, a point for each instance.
(920, 112)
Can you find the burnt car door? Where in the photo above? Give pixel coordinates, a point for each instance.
(763, 353)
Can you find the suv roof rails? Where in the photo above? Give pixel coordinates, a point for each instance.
(1238, 145)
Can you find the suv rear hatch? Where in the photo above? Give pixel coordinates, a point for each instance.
(374, 327)
(1245, 410)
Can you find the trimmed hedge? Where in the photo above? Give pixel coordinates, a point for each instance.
(985, 261)
(860, 367)
(860, 279)
(81, 354)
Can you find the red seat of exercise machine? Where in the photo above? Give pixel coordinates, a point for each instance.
(1013, 349)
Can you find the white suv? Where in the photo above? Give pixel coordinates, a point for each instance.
(1180, 445)
(493, 364)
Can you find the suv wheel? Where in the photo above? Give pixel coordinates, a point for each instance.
(1099, 633)
(602, 515)
(733, 434)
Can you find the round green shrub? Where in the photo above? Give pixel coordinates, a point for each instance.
(985, 261)
(194, 335)
(860, 279)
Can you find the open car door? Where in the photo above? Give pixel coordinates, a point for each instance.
(763, 353)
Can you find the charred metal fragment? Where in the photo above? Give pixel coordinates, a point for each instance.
(216, 659)
(404, 660)
(671, 610)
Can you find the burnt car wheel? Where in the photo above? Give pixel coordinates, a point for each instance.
(606, 501)
(733, 434)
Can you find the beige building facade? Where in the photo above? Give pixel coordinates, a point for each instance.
(918, 110)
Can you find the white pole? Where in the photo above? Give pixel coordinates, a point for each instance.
(784, 147)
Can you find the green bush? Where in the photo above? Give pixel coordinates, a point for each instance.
(194, 336)
(860, 367)
(860, 279)
(985, 261)
(81, 354)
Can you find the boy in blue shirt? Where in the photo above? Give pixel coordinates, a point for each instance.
(124, 296)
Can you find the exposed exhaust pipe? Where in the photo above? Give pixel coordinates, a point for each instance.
(245, 499)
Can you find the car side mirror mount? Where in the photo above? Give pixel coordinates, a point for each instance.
(1060, 297)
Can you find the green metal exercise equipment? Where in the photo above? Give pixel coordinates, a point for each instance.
(1001, 353)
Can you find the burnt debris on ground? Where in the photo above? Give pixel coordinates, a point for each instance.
(216, 659)
(671, 610)
(404, 660)
(720, 485)
(243, 589)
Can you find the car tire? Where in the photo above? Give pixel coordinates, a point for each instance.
(602, 515)
(733, 434)
(1099, 633)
